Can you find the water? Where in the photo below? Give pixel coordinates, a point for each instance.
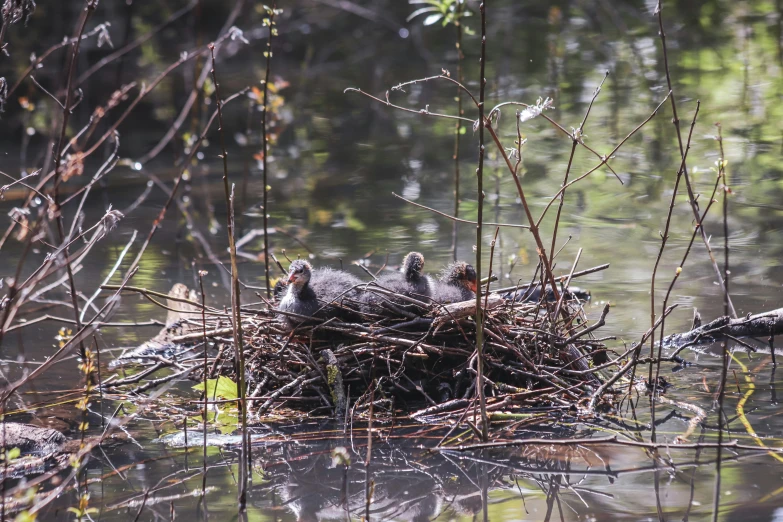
(335, 163)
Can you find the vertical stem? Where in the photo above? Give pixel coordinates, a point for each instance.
(5, 462)
(264, 147)
(3, 29)
(88, 10)
(236, 316)
(726, 192)
(201, 275)
(367, 479)
(575, 137)
(491, 258)
(458, 127)
(676, 121)
(534, 226)
(723, 345)
(562, 197)
(664, 238)
(480, 217)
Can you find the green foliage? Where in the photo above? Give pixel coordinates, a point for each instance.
(11, 454)
(83, 511)
(25, 516)
(444, 11)
(222, 388)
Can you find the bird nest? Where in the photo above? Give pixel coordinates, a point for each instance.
(535, 355)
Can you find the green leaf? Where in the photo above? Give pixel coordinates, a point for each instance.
(227, 423)
(417, 12)
(209, 88)
(25, 516)
(222, 387)
(13, 453)
(433, 18)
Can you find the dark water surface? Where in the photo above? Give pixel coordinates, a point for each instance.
(337, 158)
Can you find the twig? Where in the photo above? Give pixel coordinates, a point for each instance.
(136, 43)
(630, 364)
(453, 218)
(575, 139)
(735, 445)
(201, 274)
(264, 143)
(479, 239)
(110, 275)
(605, 159)
(423, 112)
(676, 122)
(726, 307)
(88, 10)
(235, 297)
(581, 273)
(459, 10)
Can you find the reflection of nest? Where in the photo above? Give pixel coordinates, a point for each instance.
(405, 482)
(423, 362)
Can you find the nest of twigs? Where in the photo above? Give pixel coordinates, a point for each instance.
(536, 355)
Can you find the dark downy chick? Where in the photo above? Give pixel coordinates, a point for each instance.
(336, 285)
(309, 292)
(457, 283)
(298, 297)
(409, 281)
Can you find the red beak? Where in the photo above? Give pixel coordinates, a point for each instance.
(291, 277)
(472, 285)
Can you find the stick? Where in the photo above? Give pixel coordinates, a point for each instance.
(480, 197)
(235, 297)
(264, 144)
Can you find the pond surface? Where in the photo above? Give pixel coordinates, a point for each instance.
(335, 161)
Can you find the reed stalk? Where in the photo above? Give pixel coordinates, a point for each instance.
(265, 145)
(236, 317)
(460, 9)
(479, 228)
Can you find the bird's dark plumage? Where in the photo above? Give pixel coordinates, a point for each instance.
(335, 285)
(299, 298)
(456, 284)
(409, 281)
(309, 292)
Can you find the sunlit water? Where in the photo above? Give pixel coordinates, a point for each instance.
(337, 161)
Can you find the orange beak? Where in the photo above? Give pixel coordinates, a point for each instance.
(291, 277)
(473, 286)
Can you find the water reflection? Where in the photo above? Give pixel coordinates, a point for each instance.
(337, 161)
(322, 472)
